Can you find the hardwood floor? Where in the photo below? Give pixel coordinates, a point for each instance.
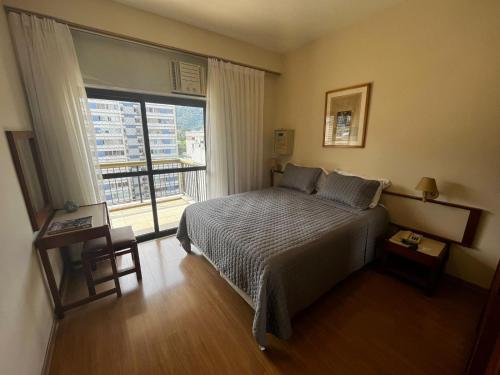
(185, 319)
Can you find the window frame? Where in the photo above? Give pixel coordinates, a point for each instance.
(150, 172)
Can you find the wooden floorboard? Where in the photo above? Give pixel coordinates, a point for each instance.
(185, 319)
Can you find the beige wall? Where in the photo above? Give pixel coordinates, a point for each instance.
(118, 18)
(434, 112)
(25, 310)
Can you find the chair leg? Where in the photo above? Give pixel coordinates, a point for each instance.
(93, 265)
(137, 262)
(112, 258)
(88, 276)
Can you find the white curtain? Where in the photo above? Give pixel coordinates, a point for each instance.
(235, 102)
(58, 104)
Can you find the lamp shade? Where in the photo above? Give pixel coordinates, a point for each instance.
(428, 187)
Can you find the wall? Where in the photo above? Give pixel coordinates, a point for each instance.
(434, 109)
(25, 311)
(121, 19)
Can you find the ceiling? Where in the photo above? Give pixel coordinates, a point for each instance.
(277, 25)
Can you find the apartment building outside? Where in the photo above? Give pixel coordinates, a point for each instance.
(120, 146)
(195, 146)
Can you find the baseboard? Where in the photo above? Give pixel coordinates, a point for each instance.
(50, 348)
(55, 325)
(466, 284)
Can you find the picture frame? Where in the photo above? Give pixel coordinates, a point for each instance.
(30, 173)
(346, 116)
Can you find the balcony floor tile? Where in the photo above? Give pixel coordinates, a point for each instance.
(141, 217)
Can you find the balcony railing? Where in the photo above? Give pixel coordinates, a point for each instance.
(127, 183)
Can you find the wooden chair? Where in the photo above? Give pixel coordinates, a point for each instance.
(123, 242)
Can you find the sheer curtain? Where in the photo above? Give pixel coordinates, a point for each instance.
(235, 101)
(58, 104)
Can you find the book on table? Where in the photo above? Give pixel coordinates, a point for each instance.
(69, 225)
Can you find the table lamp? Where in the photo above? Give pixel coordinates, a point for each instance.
(276, 164)
(428, 187)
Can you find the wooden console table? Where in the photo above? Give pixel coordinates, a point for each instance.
(44, 242)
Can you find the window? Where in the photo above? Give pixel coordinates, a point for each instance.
(142, 138)
(163, 109)
(105, 118)
(107, 130)
(168, 120)
(109, 142)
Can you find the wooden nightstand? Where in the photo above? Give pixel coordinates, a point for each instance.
(423, 266)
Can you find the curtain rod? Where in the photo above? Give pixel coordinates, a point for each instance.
(94, 30)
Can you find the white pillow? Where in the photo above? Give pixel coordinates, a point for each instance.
(384, 184)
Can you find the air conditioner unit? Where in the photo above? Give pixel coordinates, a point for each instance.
(187, 78)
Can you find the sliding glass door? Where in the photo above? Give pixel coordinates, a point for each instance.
(151, 150)
(176, 137)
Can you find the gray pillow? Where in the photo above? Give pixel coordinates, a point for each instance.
(321, 180)
(351, 190)
(300, 178)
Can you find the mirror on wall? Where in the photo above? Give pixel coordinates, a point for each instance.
(31, 176)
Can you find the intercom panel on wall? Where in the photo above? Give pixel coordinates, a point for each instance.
(283, 141)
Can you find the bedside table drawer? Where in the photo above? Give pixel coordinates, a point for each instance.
(413, 255)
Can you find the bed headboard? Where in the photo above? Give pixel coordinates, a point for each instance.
(410, 212)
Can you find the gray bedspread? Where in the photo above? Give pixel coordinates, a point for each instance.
(283, 248)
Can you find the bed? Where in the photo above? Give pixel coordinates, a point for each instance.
(281, 248)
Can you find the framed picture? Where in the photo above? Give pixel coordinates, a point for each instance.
(346, 114)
